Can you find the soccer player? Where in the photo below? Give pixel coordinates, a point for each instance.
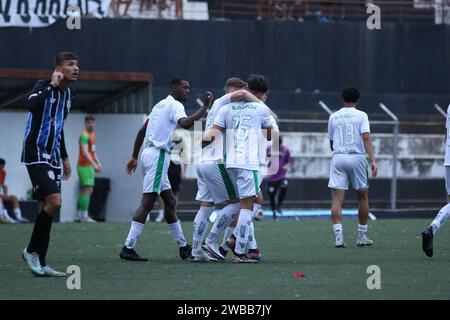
(156, 134)
(213, 181)
(243, 157)
(349, 134)
(88, 165)
(444, 213)
(277, 182)
(43, 149)
(258, 86)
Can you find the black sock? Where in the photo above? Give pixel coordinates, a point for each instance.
(272, 200)
(281, 196)
(41, 235)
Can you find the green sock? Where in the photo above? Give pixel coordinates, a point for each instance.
(83, 202)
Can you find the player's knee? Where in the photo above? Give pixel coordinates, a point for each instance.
(362, 195)
(53, 205)
(170, 204)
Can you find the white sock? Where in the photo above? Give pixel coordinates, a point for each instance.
(133, 236)
(18, 213)
(177, 233)
(200, 225)
(1, 208)
(338, 229)
(223, 220)
(161, 213)
(362, 230)
(251, 237)
(242, 230)
(228, 232)
(441, 218)
(256, 208)
(85, 214)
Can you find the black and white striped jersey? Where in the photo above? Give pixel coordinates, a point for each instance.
(44, 134)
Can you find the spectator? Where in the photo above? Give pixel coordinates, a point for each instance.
(88, 165)
(116, 7)
(178, 9)
(266, 9)
(6, 197)
(148, 7)
(277, 181)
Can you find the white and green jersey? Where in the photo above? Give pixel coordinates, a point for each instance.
(345, 128)
(447, 139)
(214, 151)
(162, 122)
(243, 122)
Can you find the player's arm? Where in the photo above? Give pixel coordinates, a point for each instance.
(368, 146)
(132, 163)
(330, 133)
(5, 191)
(188, 122)
(243, 95)
(41, 91)
(97, 160)
(270, 124)
(67, 170)
(288, 164)
(211, 134)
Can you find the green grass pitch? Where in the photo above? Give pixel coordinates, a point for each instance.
(288, 247)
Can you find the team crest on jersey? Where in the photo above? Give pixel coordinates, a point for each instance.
(52, 100)
(51, 175)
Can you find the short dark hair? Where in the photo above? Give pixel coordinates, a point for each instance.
(63, 56)
(258, 83)
(350, 94)
(2, 162)
(89, 117)
(236, 83)
(177, 81)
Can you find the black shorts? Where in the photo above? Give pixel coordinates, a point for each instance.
(174, 174)
(45, 180)
(273, 186)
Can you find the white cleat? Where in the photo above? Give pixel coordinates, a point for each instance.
(32, 259)
(363, 241)
(160, 217)
(202, 257)
(212, 249)
(50, 272)
(88, 219)
(339, 241)
(23, 220)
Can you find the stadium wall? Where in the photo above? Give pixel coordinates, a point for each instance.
(401, 61)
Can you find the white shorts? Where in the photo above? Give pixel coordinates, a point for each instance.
(349, 168)
(246, 182)
(155, 164)
(214, 183)
(447, 180)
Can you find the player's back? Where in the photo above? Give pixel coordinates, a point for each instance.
(245, 119)
(345, 128)
(162, 122)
